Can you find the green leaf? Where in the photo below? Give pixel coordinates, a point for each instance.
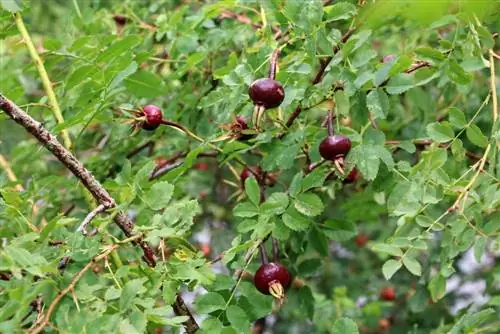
(412, 265)
(309, 204)
(238, 318)
(211, 325)
(430, 54)
(245, 209)
(118, 48)
(437, 287)
(424, 221)
(210, 302)
(342, 102)
(159, 195)
(129, 291)
(390, 267)
(314, 179)
(377, 103)
(345, 326)
(457, 118)
(387, 248)
(479, 248)
(276, 204)
(339, 230)
(145, 84)
(118, 79)
(340, 11)
(440, 132)
(169, 291)
(457, 74)
(295, 221)
(296, 184)
(252, 190)
(476, 136)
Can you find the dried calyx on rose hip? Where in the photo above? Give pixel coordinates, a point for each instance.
(153, 117)
(334, 147)
(273, 279)
(266, 92)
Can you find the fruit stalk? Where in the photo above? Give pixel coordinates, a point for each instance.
(276, 250)
(274, 64)
(263, 254)
(329, 122)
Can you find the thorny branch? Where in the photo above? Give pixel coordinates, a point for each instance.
(50, 142)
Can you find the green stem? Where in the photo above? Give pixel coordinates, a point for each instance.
(43, 76)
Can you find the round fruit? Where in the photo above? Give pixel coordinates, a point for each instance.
(388, 58)
(384, 324)
(241, 122)
(272, 279)
(153, 117)
(334, 147)
(246, 173)
(201, 166)
(388, 294)
(361, 240)
(120, 20)
(266, 92)
(352, 177)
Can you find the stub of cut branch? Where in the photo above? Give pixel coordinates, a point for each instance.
(83, 226)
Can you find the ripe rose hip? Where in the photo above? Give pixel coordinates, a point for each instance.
(241, 122)
(272, 279)
(334, 147)
(361, 240)
(120, 20)
(352, 177)
(266, 92)
(384, 324)
(388, 294)
(246, 173)
(153, 117)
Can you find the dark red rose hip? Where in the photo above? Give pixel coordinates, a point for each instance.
(272, 279)
(120, 20)
(153, 117)
(334, 147)
(388, 294)
(246, 173)
(352, 177)
(267, 93)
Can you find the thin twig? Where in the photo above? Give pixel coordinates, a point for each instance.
(427, 142)
(83, 226)
(39, 327)
(43, 76)
(10, 174)
(493, 87)
(319, 75)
